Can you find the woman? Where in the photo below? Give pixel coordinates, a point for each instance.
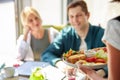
(35, 39)
(112, 41)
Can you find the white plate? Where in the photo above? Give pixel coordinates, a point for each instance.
(91, 65)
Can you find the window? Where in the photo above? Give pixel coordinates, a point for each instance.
(8, 29)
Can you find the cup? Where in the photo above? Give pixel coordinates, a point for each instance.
(37, 74)
(9, 72)
(70, 74)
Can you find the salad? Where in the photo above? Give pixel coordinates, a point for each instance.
(98, 56)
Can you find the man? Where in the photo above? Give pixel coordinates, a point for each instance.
(80, 35)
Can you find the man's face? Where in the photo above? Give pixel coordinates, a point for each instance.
(77, 18)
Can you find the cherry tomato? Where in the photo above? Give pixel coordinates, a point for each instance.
(105, 49)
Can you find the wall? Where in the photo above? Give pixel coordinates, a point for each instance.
(7, 29)
(101, 11)
(50, 10)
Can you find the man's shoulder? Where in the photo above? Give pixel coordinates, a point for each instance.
(97, 28)
(68, 29)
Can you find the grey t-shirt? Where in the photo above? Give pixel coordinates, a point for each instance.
(112, 33)
(39, 45)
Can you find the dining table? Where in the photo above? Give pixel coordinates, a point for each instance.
(24, 71)
(17, 78)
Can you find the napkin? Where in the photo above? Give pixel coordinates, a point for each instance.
(53, 73)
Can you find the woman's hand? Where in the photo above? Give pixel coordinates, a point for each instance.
(85, 69)
(89, 72)
(26, 31)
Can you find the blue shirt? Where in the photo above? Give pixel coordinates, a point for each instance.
(68, 38)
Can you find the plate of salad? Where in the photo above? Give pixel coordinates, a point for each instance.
(95, 58)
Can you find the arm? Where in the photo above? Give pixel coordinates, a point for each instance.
(62, 43)
(54, 52)
(91, 74)
(26, 32)
(22, 48)
(22, 43)
(113, 62)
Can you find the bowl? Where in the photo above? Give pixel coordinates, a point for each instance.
(89, 53)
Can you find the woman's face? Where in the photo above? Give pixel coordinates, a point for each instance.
(33, 22)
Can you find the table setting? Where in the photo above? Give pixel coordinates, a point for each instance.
(94, 58)
(32, 70)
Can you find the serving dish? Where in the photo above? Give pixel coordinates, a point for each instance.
(95, 61)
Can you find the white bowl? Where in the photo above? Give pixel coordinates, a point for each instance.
(89, 53)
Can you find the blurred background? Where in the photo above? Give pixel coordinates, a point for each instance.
(53, 12)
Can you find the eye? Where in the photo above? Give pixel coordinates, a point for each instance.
(30, 20)
(70, 16)
(36, 18)
(79, 15)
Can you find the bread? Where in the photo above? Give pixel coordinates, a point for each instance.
(74, 58)
(82, 61)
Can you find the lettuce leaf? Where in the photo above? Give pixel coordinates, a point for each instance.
(101, 54)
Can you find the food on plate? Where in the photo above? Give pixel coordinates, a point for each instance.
(71, 52)
(91, 59)
(74, 58)
(82, 61)
(101, 48)
(101, 54)
(100, 60)
(89, 53)
(97, 56)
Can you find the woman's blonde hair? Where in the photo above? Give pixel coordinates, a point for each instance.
(26, 12)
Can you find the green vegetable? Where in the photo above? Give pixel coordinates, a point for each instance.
(101, 54)
(37, 75)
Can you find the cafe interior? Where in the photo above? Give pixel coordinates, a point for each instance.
(53, 14)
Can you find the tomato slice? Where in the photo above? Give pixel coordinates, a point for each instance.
(99, 60)
(91, 59)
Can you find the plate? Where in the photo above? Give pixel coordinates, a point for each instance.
(91, 65)
(94, 58)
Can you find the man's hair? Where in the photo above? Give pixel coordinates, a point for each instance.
(80, 3)
(115, 1)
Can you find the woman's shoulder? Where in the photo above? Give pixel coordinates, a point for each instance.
(113, 28)
(117, 18)
(114, 23)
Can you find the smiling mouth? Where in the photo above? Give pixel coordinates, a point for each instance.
(77, 24)
(37, 25)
